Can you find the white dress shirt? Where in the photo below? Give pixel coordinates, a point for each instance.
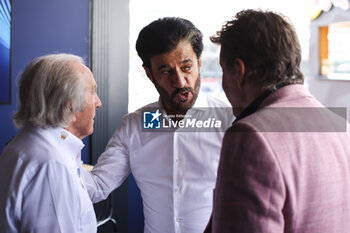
(175, 171)
(40, 185)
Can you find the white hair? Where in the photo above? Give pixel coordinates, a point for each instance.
(50, 91)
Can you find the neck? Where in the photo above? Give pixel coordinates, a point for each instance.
(74, 132)
(249, 94)
(255, 103)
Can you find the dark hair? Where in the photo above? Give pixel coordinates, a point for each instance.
(268, 45)
(163, 35)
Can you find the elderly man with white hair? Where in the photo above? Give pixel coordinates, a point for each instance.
(40, 185)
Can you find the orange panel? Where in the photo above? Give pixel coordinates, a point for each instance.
(323, 33)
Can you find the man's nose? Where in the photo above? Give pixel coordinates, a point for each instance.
(179, 79)
(98, 102)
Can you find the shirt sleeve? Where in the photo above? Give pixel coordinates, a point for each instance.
(249, 194)
(50, 201)
(112, 168)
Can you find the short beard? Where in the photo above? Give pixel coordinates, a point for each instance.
(181, 107)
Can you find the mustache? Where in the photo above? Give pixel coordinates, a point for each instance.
(180, 90)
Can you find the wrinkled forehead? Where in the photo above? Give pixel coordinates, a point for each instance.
(85, 75)
(181, 53)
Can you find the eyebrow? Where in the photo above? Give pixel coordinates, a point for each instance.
(186, 61)
(182, 62)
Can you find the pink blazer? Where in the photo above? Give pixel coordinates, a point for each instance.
(285, 168)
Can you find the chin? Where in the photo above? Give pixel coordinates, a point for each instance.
(88, 133)
(91, 131)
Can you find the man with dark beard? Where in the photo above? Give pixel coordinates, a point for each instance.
(174, 163)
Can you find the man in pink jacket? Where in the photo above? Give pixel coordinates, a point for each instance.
(284, 163)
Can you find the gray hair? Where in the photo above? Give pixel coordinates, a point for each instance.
(50, 91)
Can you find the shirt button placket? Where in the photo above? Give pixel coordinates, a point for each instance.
(177, 182)
(176, 194)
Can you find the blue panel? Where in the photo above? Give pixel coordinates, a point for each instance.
(5, 54)
(40, 27)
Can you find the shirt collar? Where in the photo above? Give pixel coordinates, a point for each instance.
(201, 101)
(64, 138)
(72, 142)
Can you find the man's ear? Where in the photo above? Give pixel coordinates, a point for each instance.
(148, 72)
(74, 119)
(240, 71)
(69, 109)
(199, 63)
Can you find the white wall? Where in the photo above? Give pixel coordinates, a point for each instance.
(332, 93)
